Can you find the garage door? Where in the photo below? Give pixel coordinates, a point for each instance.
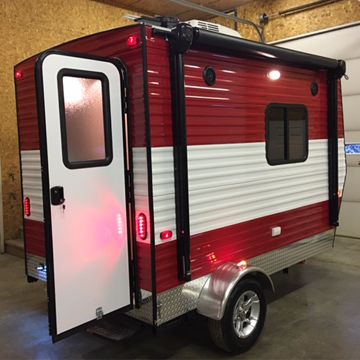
(343, 43)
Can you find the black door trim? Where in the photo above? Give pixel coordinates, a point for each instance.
(46, 187)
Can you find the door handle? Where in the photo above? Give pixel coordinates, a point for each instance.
(57, 195)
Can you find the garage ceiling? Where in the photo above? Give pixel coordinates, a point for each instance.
(168, 8)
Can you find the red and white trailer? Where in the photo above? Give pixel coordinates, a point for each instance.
(168, 170)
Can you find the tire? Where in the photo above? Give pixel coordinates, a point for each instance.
(236, 332)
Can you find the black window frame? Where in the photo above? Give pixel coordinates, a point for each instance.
(93, 75)
(286, 139)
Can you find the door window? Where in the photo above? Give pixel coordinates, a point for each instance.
(85, 119)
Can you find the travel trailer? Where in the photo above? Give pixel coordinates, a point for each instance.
(167, 168)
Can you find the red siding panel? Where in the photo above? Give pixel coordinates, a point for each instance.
(233, 110)
(160, 102)
(144, 265)
(34, 237)
(26, 107)
(241, 241)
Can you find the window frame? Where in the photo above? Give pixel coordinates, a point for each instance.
(286, 131)
(93, 75)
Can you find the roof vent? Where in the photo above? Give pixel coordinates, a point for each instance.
(213, 27)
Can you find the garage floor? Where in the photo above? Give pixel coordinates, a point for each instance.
(315, 315)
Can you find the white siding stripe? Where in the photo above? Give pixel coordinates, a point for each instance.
(233, 183)
(228, 184)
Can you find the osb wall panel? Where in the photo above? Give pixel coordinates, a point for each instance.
(338, 13)
(26, 28)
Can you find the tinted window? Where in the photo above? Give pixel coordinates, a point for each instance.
(85, 120)
(286, 134)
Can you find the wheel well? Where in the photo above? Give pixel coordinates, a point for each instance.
(262, 278)
(220, 284)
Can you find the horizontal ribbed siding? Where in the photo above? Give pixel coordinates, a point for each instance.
(34, 237)
(32, 182)
(27, 107)
(233, 183)
(233, 109)
(240, 241)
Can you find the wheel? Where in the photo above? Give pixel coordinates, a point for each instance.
(243, 318)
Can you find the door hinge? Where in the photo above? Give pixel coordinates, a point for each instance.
(129, 187)
(126, 97)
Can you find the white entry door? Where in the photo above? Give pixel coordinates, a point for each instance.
(85, 198)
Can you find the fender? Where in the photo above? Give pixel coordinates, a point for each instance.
(218, 287)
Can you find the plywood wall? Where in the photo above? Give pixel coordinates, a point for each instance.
(337, 13)
(26, 28)
(30, 26)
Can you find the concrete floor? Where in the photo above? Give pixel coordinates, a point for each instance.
(315, 315)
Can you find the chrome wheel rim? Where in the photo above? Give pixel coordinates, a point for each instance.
(246, 314)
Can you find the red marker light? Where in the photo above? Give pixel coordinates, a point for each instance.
(166, 235)
(27, 208)
(212, 257)
(19, 74)
(133, 41)
(142, 226)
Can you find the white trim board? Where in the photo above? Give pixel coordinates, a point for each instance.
(322, 31)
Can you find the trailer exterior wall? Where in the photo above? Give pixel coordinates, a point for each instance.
(226, 136)
(230, 213)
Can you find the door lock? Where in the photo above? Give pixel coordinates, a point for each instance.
(57, 195)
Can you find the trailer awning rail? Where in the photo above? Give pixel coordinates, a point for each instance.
(225, 44)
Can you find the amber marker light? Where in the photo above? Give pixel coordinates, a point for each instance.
(242, 265)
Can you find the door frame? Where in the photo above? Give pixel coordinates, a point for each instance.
(128, 172)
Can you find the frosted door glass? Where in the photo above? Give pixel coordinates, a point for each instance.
(84, 119)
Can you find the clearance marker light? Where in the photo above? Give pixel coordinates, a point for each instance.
(19, 75)
(242, 265)
(166, 235)
(133, 41)
(212, 257)
(142, 226)
(27, 208)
